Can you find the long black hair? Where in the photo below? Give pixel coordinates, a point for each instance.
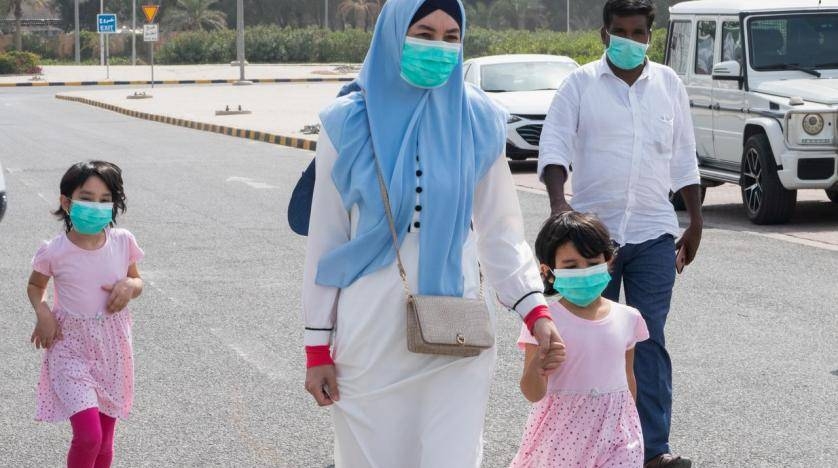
(78, 174)
(587, 233)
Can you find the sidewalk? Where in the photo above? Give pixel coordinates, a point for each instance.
(278, 111)
(179, 74)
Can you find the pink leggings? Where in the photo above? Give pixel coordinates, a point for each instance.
(92, 445)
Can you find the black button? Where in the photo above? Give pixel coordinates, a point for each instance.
(418, 173)
(418, 208)
(416, 224)
(418, 189)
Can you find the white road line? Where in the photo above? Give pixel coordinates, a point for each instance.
(250, 182)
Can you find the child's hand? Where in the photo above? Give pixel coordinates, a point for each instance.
(554, 358)
(47, 330)
(121, 293)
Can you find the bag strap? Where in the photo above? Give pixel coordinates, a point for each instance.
(388, 210)
(386, 198)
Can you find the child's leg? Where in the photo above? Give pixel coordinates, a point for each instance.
(106, 451)
(87, 439)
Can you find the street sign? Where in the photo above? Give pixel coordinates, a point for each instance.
(151, 33)
(150, 12)
(106, 23)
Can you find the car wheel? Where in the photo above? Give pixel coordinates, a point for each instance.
(678, 202)
(832, 194)
(766, 200)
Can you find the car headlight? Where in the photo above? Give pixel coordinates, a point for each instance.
(813, 124)
(512, 119)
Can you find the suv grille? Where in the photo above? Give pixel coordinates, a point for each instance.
(531, 133)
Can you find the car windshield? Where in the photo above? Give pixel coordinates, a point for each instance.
(794, 42)
(524, 76)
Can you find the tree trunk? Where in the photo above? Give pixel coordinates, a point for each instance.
(18, 11)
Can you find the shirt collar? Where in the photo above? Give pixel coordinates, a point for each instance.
(604, 69)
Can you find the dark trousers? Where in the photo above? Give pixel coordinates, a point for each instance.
(647, 271)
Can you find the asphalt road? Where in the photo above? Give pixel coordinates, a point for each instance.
(753, 333)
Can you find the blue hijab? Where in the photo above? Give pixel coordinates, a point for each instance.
(453, 133)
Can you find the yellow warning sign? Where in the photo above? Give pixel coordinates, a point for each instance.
(150, 12)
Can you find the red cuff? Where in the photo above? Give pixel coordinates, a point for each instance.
(539, 312)
(318, 356)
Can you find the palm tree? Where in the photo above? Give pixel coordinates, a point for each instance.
(480, 14)
(15, 7)
(520, 11)
(363, 12)
(193, 15)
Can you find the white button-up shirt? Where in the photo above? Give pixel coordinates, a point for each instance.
(628, 146)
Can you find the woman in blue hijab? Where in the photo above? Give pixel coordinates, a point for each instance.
(440, 144)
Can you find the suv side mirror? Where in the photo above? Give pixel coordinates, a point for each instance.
(728, 71)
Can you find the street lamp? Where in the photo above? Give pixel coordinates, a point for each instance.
(133, 32)
(78, 42)
(568, 15)
(326, 15)
(240, 42)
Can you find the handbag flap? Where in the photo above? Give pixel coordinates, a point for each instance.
(453, 321)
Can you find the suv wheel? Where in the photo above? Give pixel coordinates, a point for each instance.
(832, 194)
(678, 202)
(764, 197)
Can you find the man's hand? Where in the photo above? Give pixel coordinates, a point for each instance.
(551, 349)
(322, 383)
(554, 179)
(690, 241)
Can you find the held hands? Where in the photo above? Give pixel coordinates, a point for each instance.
(551, 349)
(121, 293)
(47, 330)
(322, 383)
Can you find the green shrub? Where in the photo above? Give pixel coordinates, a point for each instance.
(272, 44)
(19, 63)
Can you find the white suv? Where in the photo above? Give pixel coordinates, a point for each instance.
(762, 78)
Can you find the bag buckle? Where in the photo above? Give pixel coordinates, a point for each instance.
(461, 339)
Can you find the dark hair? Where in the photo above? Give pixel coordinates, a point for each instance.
(78, 174)
(614, 8)
(587, 233)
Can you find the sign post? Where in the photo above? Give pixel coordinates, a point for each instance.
(106, 24)
(151, 33)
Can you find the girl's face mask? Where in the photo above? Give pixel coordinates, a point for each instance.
(581, 287)
(90, 217)
(428, 64)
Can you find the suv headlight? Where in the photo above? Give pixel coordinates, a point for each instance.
(811, 128)
(813, 124)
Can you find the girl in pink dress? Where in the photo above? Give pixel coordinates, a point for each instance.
(87, 375)
(584, 414)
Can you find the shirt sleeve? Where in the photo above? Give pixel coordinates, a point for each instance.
(135, 253)
(329, 227)
(505, 255)
(525, 338)
(683, 168)
(639, 331)
(558, 135)
(42, 261)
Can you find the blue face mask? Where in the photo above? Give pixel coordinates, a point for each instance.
(625, 53)
(428, 64)
(582, 287)
(89, 217)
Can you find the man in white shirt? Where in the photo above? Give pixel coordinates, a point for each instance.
(623, 124)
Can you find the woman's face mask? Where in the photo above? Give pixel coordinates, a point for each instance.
(428, 64)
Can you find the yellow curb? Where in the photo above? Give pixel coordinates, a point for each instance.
(293, 142)
(30, 84)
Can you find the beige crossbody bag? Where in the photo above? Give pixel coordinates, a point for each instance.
(453, 326)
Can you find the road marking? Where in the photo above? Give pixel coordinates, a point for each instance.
(268, 362)
(250, 182)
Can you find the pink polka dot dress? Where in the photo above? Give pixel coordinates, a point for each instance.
(588, 418)
(92, 366)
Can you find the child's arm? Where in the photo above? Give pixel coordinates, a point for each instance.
(124, 290)
(533, 381)
(632, 383)
(46, 330)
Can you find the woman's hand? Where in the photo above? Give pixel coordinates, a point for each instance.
(551, 347)
(322, 383)
(121, 293)
(47, 330)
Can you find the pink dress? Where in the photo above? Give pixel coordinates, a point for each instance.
(92, 366)
(587, 418)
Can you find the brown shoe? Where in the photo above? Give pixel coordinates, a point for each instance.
(667, 460)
